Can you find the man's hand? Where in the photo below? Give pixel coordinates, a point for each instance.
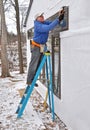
(61, 15)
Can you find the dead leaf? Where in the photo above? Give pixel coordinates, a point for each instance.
(21, 91)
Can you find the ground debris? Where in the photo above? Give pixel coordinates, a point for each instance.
(10, 95)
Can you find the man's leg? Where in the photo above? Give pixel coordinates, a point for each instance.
(35, 59)
(41, 55)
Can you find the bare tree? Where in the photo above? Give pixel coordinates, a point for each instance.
(19, 36)
(4, 58)
(14, 4)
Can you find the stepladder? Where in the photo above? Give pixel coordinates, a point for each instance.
(46, 60)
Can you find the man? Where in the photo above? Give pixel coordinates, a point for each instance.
(41, 32)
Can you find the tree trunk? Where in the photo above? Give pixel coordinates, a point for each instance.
(19, 37)
(4, 58)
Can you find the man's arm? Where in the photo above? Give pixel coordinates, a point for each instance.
(47, 28)
(47, 22)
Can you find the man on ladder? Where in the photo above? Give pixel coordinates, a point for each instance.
(38, 44)
(41, 31)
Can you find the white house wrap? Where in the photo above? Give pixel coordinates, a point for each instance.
(74, 106)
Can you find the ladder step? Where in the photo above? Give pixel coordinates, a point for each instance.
(27, 88)
(17, 110)
(22, 99)
(25, 95)
(19, 107)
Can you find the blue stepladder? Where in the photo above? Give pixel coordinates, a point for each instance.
(46, 59)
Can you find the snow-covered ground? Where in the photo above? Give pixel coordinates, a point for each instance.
(33, 117)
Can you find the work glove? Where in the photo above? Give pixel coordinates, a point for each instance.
(61, 15)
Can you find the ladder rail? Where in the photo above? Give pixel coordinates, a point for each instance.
(20, 111)
(51, 89)
(48, 82)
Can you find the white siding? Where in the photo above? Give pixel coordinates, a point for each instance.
(75, 80)
(74, 106)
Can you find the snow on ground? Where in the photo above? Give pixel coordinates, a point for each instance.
(33, 117)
